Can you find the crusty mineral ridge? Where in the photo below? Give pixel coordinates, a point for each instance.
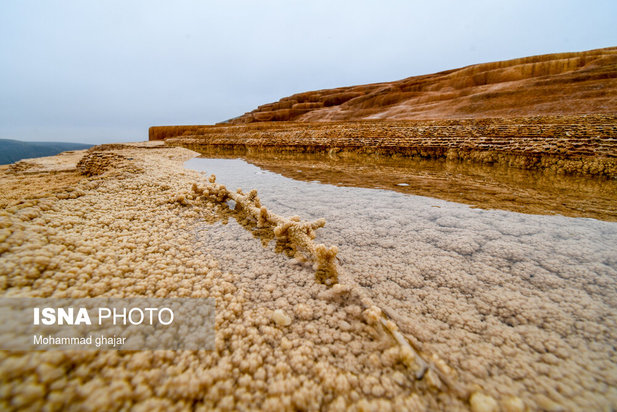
(563, 83)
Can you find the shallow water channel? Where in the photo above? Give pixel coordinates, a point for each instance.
(526, 303)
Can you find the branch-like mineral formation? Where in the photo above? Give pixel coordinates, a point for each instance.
(300, 235)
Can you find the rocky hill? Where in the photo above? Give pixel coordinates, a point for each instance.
(552, 84)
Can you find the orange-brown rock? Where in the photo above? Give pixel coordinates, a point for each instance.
(567, 144)
(552, 84)
(555, 111)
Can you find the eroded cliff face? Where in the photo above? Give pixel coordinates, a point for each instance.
(563, 83)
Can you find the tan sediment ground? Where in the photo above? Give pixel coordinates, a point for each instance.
(45, 175)
(124, 233)
(284, 341)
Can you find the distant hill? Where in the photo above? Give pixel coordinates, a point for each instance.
(551, 84)
(14, 150)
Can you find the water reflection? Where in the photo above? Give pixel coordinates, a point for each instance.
(482, 186)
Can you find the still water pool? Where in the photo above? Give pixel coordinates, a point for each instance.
(525, 303)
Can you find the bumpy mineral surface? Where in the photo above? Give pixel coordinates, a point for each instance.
(121, 221)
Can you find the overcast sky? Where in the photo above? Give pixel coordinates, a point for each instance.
(103, 71)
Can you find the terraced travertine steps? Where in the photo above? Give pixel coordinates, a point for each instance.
(551, 84)
(568, 144)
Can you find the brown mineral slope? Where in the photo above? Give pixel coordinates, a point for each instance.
(550, 84)
(554, 112)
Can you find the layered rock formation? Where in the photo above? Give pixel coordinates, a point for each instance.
(569, 144)
(556, 111)
(563, 83)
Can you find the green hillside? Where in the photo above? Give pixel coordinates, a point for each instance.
(14, 150)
